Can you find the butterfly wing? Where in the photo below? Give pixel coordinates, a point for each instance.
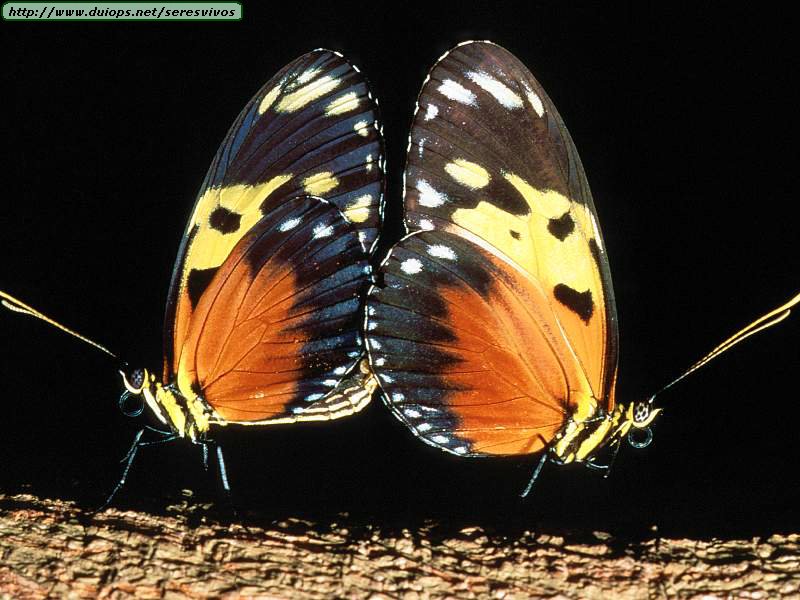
(467, 349)
(490, 161)
(278, 328)
(311, 129)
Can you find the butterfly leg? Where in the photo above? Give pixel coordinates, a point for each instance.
(167, 437)
(131, 454)
(613, 458)
(590, 464)
(223, 471)
(535, 475)
(595, 467)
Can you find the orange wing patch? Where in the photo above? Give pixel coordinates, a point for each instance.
(462, 332)
(277, 329)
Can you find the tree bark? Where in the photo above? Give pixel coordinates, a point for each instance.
(52, 548)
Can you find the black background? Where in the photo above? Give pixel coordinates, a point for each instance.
(686, 122)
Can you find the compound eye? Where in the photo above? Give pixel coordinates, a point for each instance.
(137, 378)
(134, 380)
(640, 412)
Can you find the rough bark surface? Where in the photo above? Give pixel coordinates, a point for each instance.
(51, 548)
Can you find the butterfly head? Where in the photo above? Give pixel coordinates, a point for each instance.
(139, 390)
(636, 424)
(134, 380)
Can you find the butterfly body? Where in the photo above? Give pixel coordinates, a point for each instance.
(502, 289)
(263, 322)
(493, 328)
(263, 318)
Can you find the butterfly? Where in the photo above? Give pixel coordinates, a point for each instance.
(493, 327)
(264, 313)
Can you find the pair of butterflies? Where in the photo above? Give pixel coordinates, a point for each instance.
(490, 328)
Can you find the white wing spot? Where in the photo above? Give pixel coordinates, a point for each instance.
(343, 104)
(411, 266)
(374, 344)
(312, 397)
(398, 397)
(460, 450)
(535, 101)
(340, 370)
(379, 362)
(431, 112)
(308, 75)
(456, 91)
(290, 224)
(499, 90)
(440, 439)
(441, 251)
(425, 224)
(330, 382)
(322, 230)
(361, 128)
(428, 196)
(386, 378)
(412, 414)
(423, 427)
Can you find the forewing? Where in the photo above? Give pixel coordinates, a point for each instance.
(489, 153)
(276, 335)
(311, 129)
(466, 350)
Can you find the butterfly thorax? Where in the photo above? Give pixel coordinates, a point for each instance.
(186, 413)
(581, 439)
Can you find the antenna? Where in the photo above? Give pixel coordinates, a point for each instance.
(763, 322)
(18, 306)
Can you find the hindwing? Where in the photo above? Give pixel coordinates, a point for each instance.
(278, 328)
